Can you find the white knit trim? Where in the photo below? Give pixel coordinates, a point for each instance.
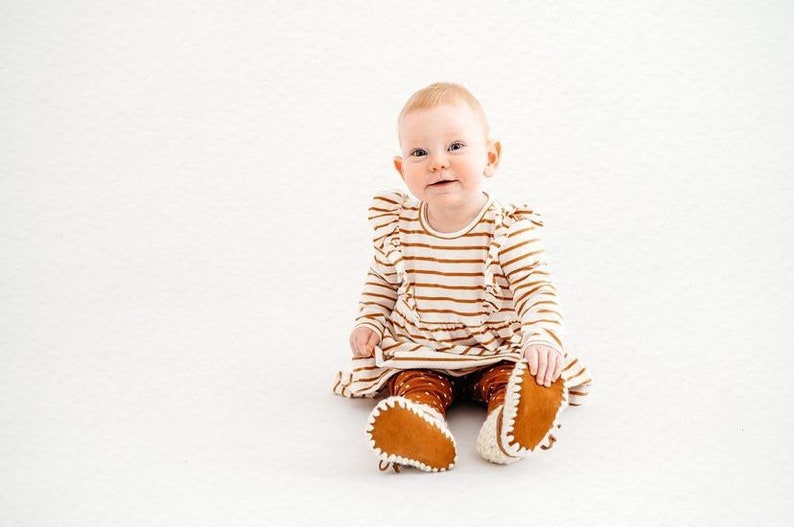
(425, 412)
(510, 410)
(488, 443)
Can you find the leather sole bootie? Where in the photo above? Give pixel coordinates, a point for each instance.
(403, 432)
(525, 420)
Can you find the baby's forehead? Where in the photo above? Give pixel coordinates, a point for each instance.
(457, 117)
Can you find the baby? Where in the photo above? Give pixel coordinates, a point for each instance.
(458, 301)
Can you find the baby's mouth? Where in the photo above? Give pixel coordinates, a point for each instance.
(442, 182)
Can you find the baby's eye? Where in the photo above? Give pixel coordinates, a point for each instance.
(457, 145)
(418, 152)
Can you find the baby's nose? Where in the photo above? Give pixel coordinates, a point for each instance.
(439, 162)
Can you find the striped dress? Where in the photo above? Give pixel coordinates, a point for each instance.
(456, 302)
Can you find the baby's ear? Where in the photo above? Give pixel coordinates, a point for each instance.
(494, 155)
(398, 164)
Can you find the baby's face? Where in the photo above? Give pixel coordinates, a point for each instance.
(445, 155)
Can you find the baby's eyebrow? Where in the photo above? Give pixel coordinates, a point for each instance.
(414, 146)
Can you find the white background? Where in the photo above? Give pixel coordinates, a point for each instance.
(183, 194)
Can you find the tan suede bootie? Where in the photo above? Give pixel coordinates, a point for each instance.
(408, 428)
(407, 433)
(522, 416)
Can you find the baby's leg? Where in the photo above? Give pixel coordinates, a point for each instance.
(408, 427)
(521, 414)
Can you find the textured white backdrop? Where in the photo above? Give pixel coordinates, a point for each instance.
(183, 194)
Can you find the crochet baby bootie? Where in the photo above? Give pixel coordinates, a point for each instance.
(403, 432)
(522, 416)
(408, 428)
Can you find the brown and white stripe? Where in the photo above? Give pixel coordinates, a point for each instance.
(456, 302)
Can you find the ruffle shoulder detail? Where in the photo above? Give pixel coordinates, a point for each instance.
(511, 214)
(505, 218)
(384, 218)
(384, 214)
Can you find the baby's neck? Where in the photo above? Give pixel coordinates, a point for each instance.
(453, 220)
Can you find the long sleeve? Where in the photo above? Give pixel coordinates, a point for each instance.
(379, 295)
(524, 263)
(383, 278)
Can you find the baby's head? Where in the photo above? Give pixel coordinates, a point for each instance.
(445, 144)
(443, 93)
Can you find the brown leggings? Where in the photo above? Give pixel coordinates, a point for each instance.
(486, 386)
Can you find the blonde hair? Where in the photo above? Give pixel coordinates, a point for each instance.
(443, 93)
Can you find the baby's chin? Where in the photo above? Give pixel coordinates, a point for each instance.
(453, 199)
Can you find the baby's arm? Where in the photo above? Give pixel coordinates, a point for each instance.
(375, 307)
(524, 262)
